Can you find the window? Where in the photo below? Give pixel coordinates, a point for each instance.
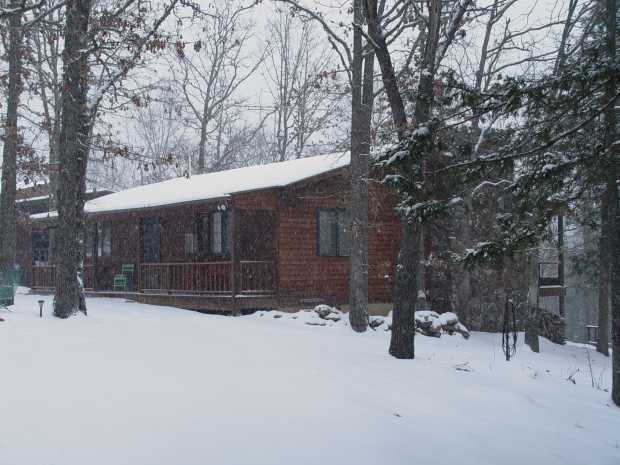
(334, 232)
(151, 237)
(40, 246)
(104, 239)
(220, 233)
(191, 241)
(89, 241)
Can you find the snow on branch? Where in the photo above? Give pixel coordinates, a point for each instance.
(21, 9)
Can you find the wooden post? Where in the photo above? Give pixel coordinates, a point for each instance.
(139, 256)
(235, 276)
(562, 302)
(94, 230)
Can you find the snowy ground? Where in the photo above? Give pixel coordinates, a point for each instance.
(139, 385)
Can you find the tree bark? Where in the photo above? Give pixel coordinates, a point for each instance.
(615, 285)
(531, 324)
(409, 289)
(402, 341)
(602, 343)
(8, 219)
(612, 187)
(362, 101)
(73, 152)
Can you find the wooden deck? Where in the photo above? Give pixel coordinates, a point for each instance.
(209, 286)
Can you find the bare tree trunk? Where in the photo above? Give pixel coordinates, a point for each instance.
(602, 344)
(8, 218)
(531, 324)
(612, 188)
(409, 288)
(73, 160)
(615, 287)
(405, 294)
(362, 99)
(202, 145)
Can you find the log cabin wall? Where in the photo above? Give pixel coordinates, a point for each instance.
(277, 226)
(304, 274)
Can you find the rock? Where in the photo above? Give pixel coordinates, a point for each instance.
(448, 318)
(332, 317)
(425, 318)
(432, 324)
(316, 323)
(375, 322)
(278, 315)
(323, 310)
(462, 330)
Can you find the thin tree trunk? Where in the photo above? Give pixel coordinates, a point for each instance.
(202, 147)
(73, 159)
(602, 343)
(362, 98)
(615, 288)
(531, 324)
(405, 294)
(409, 286)
(8, 218)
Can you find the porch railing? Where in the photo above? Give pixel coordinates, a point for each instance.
(255, 277)
(44, 276)
(208, 277)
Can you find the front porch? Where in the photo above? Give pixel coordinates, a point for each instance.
(211, 256)
(210, 286)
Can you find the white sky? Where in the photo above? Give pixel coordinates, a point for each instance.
(254, 91)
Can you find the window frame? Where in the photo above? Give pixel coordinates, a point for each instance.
(41, 246)
(335, 232)
(104, 239)
(150, 253)
(224, 233)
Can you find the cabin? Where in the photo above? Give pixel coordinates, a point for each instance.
(33, 245)
(261, 237)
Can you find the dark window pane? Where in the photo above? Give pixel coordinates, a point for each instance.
(327, 242)
(190, 243)
(89, 241)
(217, 227)
(344, 233)
(40, 246)
(221, 239)
(334, 232)
(151, 239)
(226, 232)
(107, 239)
(104, 239)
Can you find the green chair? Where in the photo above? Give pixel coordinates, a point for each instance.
(127, 270)
(123, 282)
(8, 285)
(120, 283)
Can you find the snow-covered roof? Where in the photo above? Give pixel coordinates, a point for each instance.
(44, 216)
(218, 185)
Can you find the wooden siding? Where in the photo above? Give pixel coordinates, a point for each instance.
(306, 275)
(275, 228)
